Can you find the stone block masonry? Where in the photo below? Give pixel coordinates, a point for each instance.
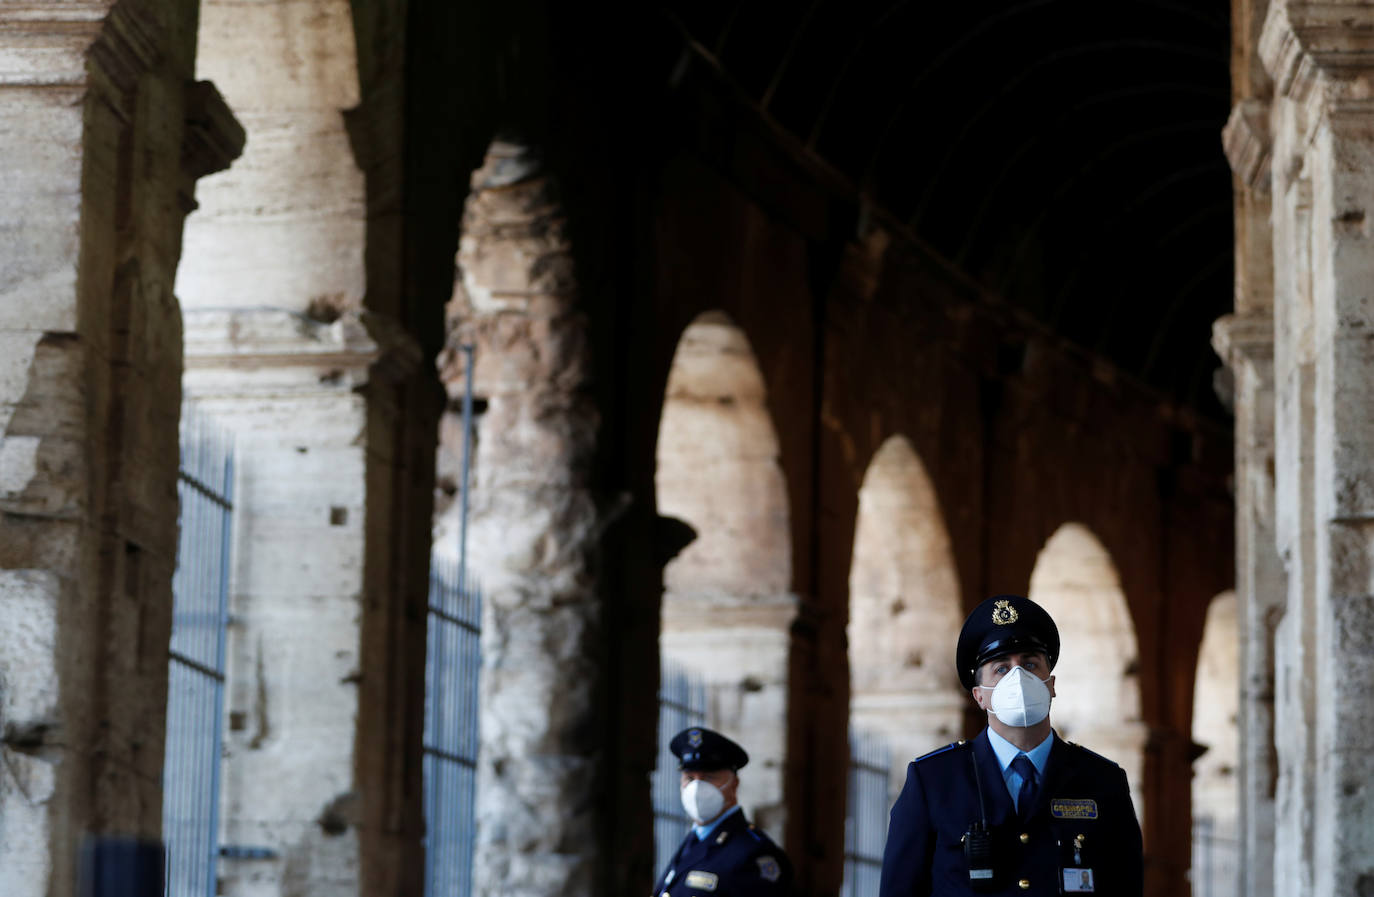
(104, 134)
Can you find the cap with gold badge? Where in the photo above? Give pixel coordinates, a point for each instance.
(1002, 625)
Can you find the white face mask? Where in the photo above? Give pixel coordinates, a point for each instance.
(702, 801)
(1020, 699)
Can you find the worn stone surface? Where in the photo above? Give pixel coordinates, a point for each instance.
(1247, 343)
(293, 649)
(1317, 64)
(533, 529)
(292, 206)
(272, 283)
(96, 98)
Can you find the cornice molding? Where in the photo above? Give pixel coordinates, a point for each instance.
(1304, 42)
(1247, 143)
(46, 44)
(274, 338)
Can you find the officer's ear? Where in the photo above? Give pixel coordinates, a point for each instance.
(1050, 683)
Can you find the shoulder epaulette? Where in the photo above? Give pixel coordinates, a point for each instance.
(938, 751)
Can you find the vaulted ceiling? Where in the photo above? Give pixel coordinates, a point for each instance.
(1063, 153)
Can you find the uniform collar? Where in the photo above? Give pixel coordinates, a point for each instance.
(1007, 752)
(705, 831)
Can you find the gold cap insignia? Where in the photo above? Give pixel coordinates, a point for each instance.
(1003, 614)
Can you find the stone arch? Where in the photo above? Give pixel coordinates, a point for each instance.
(727, 607)
(904, 611)
(1216, 782)
(1098, 674)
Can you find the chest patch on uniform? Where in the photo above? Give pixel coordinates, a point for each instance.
(769, 870)
(1073, 809)
(702, 881)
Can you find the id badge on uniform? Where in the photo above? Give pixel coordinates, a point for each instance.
(1078, 881)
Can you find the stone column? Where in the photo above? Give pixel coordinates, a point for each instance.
(1245, 341)
(102, 133)
(1321, 57)
(276, 351)
(534, 529)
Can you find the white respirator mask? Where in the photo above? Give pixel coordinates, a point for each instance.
(1020, 699)
(702, 801)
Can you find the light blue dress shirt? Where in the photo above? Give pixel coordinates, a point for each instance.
(704, 831)
(1007, 752)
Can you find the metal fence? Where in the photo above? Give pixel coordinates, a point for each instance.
(681, 703)
(1216, 858)
(865, 824)
(195, 686)
(452, 666)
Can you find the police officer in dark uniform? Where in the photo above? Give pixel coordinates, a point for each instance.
(1017, 810)
(723, 854)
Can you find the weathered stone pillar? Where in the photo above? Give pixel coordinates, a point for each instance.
(533, 531)
(1321, 57)
(1245, 341)
(102, 133)
(272, 287)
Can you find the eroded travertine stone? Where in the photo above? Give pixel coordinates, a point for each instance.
(1321, 128)
(287, 389)
(532, 532)
(104, 133)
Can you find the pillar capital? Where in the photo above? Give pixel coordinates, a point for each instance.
(1248, 144)
(1244, 339)
(213, 138)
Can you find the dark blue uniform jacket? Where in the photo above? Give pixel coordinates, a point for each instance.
(736, 860)
(1083, 807)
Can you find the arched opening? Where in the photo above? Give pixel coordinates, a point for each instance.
(271, 288)
(1216, 784)
(904, 611)
(726, 603)
(1097, 679)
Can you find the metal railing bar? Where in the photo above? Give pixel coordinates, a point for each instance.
(196, 665)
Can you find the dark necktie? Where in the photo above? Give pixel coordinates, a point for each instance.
(1025, 798)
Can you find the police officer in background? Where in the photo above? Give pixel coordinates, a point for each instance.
(1017, 810)
(723, 854)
